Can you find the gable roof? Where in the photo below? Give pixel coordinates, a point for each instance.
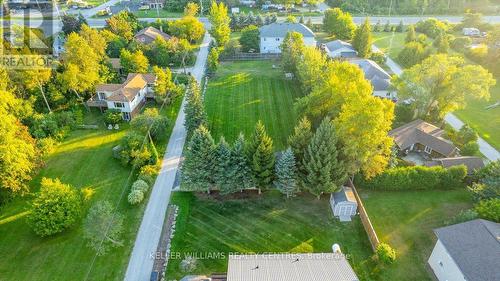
(281, 29)
(152, 33)
(127, 91)
(471, 162)
(424, 133)
(339, 44)
(475, 248)
(290, 267)
(378, 77)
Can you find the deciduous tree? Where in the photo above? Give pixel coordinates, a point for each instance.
(362, 40)
(103, 227)
(220, 21)
(133, 62)
(338, 23)
(250, 39)
(292, 49)
(310, 68)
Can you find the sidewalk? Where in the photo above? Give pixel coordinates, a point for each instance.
(142, 258)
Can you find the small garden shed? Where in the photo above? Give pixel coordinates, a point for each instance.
(344, 204)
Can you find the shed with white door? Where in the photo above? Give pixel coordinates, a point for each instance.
(344, 204)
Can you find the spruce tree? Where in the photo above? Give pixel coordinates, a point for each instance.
(400, 27)
(325, 172)
(241, 172)
(195, 110)
(411, 35)
(286, 174)
(260, 153)
(362, 40)
(387, 27)
(198, 166)
(298, 142)
(223, 177)
(441, 43)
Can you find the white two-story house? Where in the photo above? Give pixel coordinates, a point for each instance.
(128, 97)
(272, 36)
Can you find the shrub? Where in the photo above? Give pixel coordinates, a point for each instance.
(431, 27)
(461, 44)
(56, 207)
(378, 57)
(481, 191)
(249, 39)
(469, 149)
(112, 116)
(463, 216)
(46, 145)
(55, 125)
(140, 185)
(489, 209)
(478, 54)
(417, 178)
(413, 53)
(147, 178)
(149, 170)
(135, 197)
(385, 253)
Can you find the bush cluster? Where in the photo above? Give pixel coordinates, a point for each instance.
(55, 125)
(417, 178)
(138, 191)
(385, 253)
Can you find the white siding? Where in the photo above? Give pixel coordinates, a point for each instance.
(385, 94)
(443, 265)
(272, 44)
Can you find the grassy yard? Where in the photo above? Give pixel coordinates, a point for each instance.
(241, 93)
(257, 224)
(83, 160)
(405, 220)
(391, 43)
(161, 13)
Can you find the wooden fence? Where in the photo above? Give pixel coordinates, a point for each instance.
(249, 56)
(367, 224)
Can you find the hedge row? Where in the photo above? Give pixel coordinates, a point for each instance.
(417, 178)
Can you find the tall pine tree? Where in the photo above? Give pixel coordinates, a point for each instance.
(411, 35)
(195, 110)
(198, 167)
(241, 172)
(286, 174)
(325, 172)
(261, 156)
(362, 40)
(223, 178)
(298, 142)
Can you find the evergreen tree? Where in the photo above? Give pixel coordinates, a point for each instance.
(260, 153)
(298, 142)
(241, 172)
(411, 35)
(198, 167)
(223, 177)
(286, 174)
(362, 40)
(441, 43)
(400, 27)
(325, 172)
(377, 27)
(195, 110)
(387, 27)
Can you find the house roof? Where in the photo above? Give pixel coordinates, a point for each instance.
(475, 248)
(281, 29)
(344, 195)
(339, 44)
(424, 133)
(129, 89)
(152, 33)
(115, 63)
(471, 162)
(378, 77)
(290, 267)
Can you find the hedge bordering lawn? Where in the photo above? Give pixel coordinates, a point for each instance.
(417, 178)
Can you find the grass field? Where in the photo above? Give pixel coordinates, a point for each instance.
(242, 93)
(391, 43)
(405, 220)
(257, 224)
(84, 159)
(161, 13)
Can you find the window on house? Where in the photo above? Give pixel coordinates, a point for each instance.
(428, 150)
(119, 105)
(101, 96)
(126, 116)
(277, 39)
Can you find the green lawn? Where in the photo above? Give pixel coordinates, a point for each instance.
(257, 224)
(405, 220)
(391, 43)
(242, 93)
(161, 13)
(83, 160)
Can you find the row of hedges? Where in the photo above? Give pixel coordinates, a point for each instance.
(417, 178)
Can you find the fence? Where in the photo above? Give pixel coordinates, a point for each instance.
(367, 224)
(249, 56)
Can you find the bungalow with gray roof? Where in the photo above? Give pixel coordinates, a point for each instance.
(272, 36)
(467, 251)
(378, 77)
(423, 137)
(339, 49)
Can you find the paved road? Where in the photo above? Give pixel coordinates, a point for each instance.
(486, 149)
(141, 260)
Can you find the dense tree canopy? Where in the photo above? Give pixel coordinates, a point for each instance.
(250, 39)
(338, 23)
(362, 40)
(220, 21)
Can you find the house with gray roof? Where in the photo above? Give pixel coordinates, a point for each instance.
(378, 77)
(272, 36)
(339, 49)
(467, 251)
(472, 163)
(290, 267)
(423, 137)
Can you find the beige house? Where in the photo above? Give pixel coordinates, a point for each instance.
(149, 34)
(128, 97)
